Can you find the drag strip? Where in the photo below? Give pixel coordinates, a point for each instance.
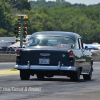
(56, 88)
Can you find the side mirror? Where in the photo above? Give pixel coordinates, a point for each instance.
(72, 45)
(86, 47)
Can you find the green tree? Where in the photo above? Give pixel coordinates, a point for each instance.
(5, 19)
(19, 4)
(2, 32)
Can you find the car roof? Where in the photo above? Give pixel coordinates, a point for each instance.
(57, 33)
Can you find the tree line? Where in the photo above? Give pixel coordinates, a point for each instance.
(56, 15)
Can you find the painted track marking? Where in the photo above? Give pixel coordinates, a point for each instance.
(8, 72)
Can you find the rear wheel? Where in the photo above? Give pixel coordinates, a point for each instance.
(89, 76)
(75, 76)
(24, 75)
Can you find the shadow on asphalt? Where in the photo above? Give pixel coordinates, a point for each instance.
(60, 79)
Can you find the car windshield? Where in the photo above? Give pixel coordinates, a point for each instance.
(50, 41)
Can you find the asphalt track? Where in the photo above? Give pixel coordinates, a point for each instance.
(8, 69)
(56, 88)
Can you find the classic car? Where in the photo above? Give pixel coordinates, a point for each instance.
(50, 53)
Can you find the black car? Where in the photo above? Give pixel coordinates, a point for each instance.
(52, 53)
(0, 48)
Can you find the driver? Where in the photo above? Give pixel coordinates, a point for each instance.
(44, 42)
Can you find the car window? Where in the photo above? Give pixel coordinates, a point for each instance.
(51, 41)
(80, 43)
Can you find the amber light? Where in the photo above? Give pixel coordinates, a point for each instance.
(25, 25)
(26, 17)
(18, 28)
(25, 28)
(25, 32)
(18, 52)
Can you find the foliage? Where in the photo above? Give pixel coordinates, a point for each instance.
(56, 15)
(2, 32)
(19, 4)
(5, 19)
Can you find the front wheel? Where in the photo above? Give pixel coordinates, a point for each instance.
(24, 75)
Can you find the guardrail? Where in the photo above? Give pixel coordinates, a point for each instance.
(95, 52)
(7, 52)
(96, 58)
(7, 57)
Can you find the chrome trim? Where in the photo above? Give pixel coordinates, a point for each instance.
(45, 54)
(28, 64)
(38, 67)
(59, 65)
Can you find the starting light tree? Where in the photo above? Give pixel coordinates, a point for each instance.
(20, 29)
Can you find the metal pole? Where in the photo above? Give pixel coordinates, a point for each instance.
(21, 34)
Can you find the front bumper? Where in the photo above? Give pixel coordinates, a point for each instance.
(39, 67)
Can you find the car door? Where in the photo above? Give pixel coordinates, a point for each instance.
(82, 60)
(86, 59)
(79, 53)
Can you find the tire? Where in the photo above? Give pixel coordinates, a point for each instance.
(24, 75)
(89, 76)
(39, 76)
(75, 76)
